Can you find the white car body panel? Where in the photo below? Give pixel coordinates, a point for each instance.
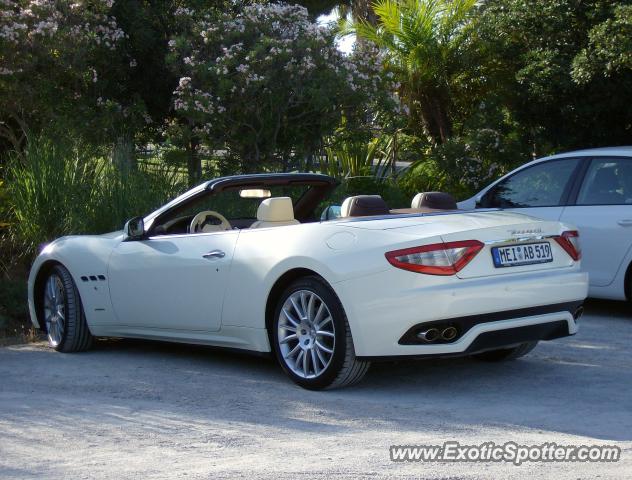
(605, 243)
(166, 274)
(223, 302)
(400, 300)
(605, 230)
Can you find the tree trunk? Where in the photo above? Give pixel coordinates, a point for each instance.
(433, 112)
(394, 159)
(363, 10)
(251, 160)
(194, 162)
(123, 153)
(14, 131)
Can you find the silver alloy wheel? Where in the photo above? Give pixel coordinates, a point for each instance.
(55, 309)
(306, 334)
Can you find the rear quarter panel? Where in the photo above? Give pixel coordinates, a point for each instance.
(262, 256)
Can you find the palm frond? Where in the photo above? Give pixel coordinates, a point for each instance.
(455, 15)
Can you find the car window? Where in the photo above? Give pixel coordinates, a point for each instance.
(233, 206)
(240, 210)
(542, 185)
(608, 181)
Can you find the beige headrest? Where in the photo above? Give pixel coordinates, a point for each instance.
(277, 209)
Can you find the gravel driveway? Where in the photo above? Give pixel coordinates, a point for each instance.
(149, 410)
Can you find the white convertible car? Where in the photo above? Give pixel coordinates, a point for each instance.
(247, 262)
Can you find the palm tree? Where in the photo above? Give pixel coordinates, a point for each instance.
(358, 10)
(423, 41)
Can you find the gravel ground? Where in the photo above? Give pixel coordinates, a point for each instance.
(149, 410)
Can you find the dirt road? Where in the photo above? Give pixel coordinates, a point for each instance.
(148, 410)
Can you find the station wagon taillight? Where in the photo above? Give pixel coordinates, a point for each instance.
(569, 241)
(436, 259)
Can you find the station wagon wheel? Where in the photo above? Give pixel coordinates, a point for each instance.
(312, 339)
(62, 313)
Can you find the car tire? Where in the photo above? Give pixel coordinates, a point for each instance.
(316, 353)
(506, 354)
(62, 315)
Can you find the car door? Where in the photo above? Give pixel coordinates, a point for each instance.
(173, 282)
(540, 190)
(603, 213)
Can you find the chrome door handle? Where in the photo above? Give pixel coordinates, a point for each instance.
(214, 254)
(625, 223)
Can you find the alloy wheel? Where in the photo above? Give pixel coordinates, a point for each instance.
(306, 334)
(55, 309)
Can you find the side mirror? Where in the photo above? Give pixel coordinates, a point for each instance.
(134, 228)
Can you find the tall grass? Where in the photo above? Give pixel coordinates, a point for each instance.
(48, 189)
(4, 214)
(118, 196)
(56, 189)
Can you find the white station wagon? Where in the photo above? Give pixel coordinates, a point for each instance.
(591, 189)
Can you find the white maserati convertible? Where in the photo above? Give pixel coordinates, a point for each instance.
(249, 262)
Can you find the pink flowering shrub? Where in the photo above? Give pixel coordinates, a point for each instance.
(53, 55)
(268, 84)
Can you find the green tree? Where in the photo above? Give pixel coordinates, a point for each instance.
(549, 61)
(424, 43)
(266, 85)
(50, 57)
(71, 69)
(320, 7)
(609, 50)
(96, 70)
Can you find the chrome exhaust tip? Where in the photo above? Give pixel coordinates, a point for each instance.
(429, 335)
(449, 333)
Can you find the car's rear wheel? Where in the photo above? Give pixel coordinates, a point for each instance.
(64, 319)
(312, 339)
(504, 354)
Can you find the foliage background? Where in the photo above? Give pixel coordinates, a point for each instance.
(110, 107)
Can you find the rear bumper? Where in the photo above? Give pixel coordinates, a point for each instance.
(504, 337)
(490, 313)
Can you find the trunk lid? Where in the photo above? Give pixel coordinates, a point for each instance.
(495, 229)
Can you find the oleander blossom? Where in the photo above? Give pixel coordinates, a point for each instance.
(28, 24)
(270, 54)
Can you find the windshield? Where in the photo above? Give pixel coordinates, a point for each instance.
(234, 206)
(238, 205)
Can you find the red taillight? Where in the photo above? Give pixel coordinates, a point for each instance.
(436, 259)
(569, 241)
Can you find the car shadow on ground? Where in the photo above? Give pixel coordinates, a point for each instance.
(578, 385)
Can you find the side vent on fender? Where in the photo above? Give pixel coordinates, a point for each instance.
(93, 278)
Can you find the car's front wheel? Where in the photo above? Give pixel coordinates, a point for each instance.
(64, 319)
(312, 339)
(506, 353)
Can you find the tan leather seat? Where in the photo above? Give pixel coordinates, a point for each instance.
(364, 206)
(275, 212)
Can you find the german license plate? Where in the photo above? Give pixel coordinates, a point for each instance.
(515, 255)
